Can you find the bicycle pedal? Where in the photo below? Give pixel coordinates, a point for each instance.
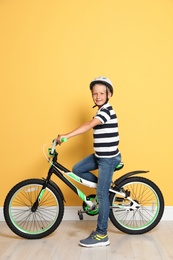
(80, 214)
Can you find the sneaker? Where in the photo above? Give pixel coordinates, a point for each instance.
(95, 240)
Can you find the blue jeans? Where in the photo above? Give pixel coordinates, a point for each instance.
(105, 168)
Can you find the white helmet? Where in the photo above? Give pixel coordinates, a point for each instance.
(105, 81)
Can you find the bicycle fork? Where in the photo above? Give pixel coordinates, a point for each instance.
(36, 203)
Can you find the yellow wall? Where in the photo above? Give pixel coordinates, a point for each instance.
(49, 52)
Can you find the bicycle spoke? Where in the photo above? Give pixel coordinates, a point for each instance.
(133, 219)
(42, 218)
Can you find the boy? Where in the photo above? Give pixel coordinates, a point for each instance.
(105, 158)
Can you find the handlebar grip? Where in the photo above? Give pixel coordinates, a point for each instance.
(64, 139)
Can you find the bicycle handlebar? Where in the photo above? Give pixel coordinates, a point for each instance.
(53, 146)
(54, 143)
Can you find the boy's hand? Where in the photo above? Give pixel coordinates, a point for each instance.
(58, 139)
(61, 139)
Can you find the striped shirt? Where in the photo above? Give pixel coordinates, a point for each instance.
(106, 137)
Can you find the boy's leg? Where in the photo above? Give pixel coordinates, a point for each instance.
(83, 168)
(106, 169)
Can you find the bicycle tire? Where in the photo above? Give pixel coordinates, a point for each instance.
(33, 225)
(140, 220)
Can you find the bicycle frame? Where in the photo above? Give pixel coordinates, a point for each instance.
(34, 208)
(60, 171)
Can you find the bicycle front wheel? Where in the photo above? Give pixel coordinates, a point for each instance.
(25, 222)
(146, 215)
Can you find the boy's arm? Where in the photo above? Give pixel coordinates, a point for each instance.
(80, 130)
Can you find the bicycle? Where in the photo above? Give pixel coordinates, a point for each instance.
(34, 208)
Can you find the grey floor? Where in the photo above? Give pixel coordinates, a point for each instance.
(63, 244)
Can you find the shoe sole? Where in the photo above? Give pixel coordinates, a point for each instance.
(107, 243)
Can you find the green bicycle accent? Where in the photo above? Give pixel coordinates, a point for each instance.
(41, 194)
(95, 210)
(74, 177)
(81, 194)
(91, 212)
(119, 166)
(64, 139)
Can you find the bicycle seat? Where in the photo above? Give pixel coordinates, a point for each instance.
(119, 166)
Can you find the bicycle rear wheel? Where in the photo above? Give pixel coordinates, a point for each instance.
(141, 219)
(18, 209)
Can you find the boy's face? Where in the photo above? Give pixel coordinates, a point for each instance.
(99, 94)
